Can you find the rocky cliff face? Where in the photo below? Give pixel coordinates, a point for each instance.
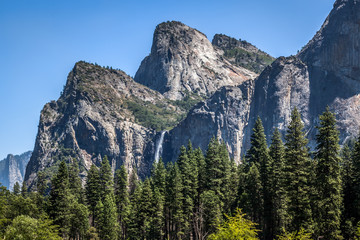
(224, 115)
(183, 61)
(12, 169)
(100, 112)
(242, 53)
(333, 60)
(324, 73)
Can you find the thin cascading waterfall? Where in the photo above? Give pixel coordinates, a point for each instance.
(159, 146)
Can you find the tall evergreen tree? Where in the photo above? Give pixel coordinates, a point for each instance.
(107, 224)
(213, 171)
(159, 176)
(356, 179)
(106, 178)
(254, 194)
(122, 199)
(145, 210)
(225, 168)
(277, 185)
(157, 229)
(328, 177)
(41, 183)
(159, 190)
(188, 171)
(347, 175)
(24, 190)
(92, 190)
(60, 199)
(258, 154)
(16, 188)
(173, 203)
(75, 181)
(298, 167)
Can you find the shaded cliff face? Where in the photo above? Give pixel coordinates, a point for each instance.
(12, 169)
(224, 115)
(324, 73)
(183, 61)
(101, 112)
(242, 53)
(281, 87)
(333, 60)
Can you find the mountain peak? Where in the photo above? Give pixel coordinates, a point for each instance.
(183, 62)
(242, 53)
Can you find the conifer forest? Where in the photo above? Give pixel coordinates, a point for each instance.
(281, 190)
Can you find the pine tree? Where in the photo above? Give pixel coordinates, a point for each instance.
(16, 188)
(133, 181)
(135, 199)
(145, 210)
(159, 191)
(75, 181)
(213, 174)
(92, 190)
(41, 183)
(188, 171)
(159, 176)
(277, 185)
(347, 176)
(157, 228)
(107, 226)
(328, 177)
(297, 169)
(258, 154)
(24, 190)
(60, 199)
(106, 178)
(356, 179)
(173, 203)
(79, 219)
(210, 209)
(122, 199)
(254, 194)
(225, 169)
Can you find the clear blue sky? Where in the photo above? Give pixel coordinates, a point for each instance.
(41, 40)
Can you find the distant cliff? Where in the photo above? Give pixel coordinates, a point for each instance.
(12, 169)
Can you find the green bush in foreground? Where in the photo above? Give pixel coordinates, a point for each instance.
(236, 227)
(28, 228)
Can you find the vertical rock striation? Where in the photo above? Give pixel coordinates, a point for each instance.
(183, 61)
(12, 169)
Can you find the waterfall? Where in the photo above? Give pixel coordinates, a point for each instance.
(159, 146)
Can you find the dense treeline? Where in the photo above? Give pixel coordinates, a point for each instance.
(284, 191)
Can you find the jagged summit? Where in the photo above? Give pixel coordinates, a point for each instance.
(242, 53)
(183, 62)
(102, 111)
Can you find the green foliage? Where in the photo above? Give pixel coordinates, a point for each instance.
(106, 179)
(27, 228)
(236, 227)
(16, 188)
(92, 190)
(298, 169)
(328, 182)
(297, 235)
(122, 199)
(277, 185)
(155, 116)
(255, 62)
(107, 222)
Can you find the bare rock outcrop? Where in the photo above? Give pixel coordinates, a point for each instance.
(183, 61)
